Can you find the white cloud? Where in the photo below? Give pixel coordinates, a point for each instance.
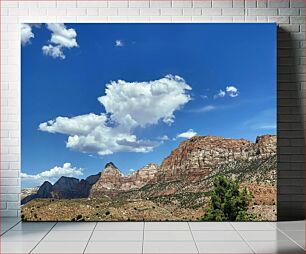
(206, 108)
(188, 134)
(53, 174)
(143, 103)
(163, 138)
(54, 51)
(262, 120)
(232, 91)
(267, 127)
(119, 43)
(61, 38)
(128, 105)
(220, 94)
(131, 170)
(26, 34)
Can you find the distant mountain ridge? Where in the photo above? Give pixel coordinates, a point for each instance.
(195, 159)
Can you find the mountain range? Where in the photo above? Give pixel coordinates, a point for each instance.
(184, 176)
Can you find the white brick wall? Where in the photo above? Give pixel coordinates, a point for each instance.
(289, 13)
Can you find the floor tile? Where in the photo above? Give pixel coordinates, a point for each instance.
(211, 226)
(169, 247)
(166, 226)
(296, 235)
(114, 247)
(107, 236)
(17, 247)
(216, 236)
(69, 236)
(60, 247)
(33, 226)
(276, 247)
(68, 226)
(120, 226)
(22, 236)
(253, 225)
(8, 225)
(291, 225)
(223, 247)
(273, 235)
(167, 236)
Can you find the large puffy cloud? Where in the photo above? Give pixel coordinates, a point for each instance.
(128, 105)
(143, 103)
(187, 134)
(61, 38)
(26, 34)
(53, 174)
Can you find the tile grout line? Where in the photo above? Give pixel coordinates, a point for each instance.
(291, 239)
(143, 232)
(10, 228)
(42, 238)
(193, 237)
(244, 240)
(90, 236)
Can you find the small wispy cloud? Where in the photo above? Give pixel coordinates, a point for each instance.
(204, 109)
(263, 120)
(119, 43)
(267, 127)
(163, 138)
(220, 94)
(204, 97)
(230, 91)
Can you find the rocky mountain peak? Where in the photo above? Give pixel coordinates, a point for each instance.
(45, 189)
(110, 164)
(111, 169)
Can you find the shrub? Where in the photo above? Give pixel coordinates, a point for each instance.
(227, 202)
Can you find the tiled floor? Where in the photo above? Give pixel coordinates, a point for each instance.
(152, 237)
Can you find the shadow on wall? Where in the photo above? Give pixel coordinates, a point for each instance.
(290, 130)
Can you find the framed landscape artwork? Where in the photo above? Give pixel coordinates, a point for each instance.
(148, 122)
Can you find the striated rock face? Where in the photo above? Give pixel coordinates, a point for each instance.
(266, 145)
(198, 156)
(112, 181)
(140, 177)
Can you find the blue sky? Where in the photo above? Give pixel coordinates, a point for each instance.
(204, 79)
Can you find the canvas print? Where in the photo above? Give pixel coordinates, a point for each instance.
(148, 122)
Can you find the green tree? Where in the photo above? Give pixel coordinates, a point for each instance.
(227, 202)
